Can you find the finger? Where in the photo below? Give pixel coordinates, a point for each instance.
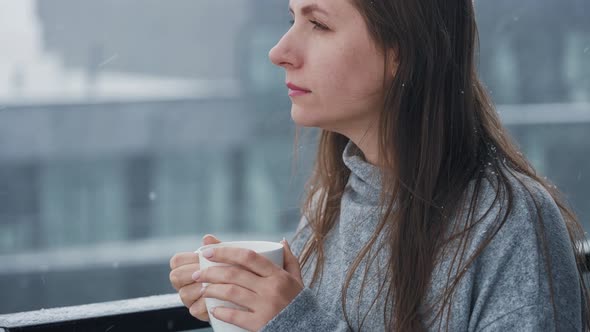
(183, 258)
(182, 276)
(190, 294)
(231, 275)
(210, 239)
(231, 293)
(291, 261)
(243, 319)
(246, 258)
(199, 310)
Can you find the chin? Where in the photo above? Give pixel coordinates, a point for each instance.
(304, 118)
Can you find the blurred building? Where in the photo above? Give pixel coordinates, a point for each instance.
(182, 39)
(189, 39)
(535, 51)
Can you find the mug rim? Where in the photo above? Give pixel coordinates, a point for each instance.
(276, 245)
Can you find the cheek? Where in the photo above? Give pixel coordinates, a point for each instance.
(353, 81)
(347, 88)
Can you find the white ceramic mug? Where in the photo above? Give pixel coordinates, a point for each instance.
(271, 250)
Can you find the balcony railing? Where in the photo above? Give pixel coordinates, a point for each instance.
(154, 313)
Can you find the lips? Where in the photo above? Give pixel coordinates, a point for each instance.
(295, 90)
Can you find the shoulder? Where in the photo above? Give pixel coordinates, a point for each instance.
(509, 218)
(315, 203)
(517, 216)
(519, 203)
(525, 244)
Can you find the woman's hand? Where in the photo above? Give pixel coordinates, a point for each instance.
(183, 266)
(254, 282)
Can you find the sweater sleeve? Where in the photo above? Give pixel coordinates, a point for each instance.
(512, 282)
(305, 314)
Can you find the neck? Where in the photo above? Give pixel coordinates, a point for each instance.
(367, 141)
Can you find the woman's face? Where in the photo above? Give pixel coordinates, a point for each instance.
(328, 52)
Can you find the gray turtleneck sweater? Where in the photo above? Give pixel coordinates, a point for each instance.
(506, 289)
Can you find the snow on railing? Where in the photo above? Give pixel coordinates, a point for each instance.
(153, 313)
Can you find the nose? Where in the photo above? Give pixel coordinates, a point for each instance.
(283, 54)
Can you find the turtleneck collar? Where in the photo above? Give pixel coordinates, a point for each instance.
(365, 178)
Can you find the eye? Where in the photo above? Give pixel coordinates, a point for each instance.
(318, 25)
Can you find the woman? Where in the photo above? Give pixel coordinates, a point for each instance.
(420, 214)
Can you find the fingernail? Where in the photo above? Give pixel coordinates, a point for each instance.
(208, 253)
(196, 275)
(212, 311)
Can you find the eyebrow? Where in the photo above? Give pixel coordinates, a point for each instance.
(309, 9)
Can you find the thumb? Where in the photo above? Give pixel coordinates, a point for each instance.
(291, 262)
(210, 239)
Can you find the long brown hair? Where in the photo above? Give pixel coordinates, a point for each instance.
(438, 131)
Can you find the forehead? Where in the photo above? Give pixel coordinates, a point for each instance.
(330, 8)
